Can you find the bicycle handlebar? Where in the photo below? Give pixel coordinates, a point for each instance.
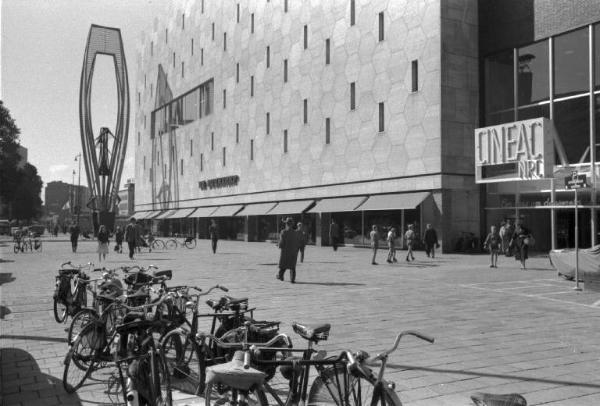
(384, 354)
(148, 305)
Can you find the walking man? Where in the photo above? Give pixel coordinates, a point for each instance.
(374, 235)
(409, 236)
(391, 237)
(213, 232)
(131, 236)
(506, 233)
(334, 232)
(302, 239)
(74, 236)
(288, 244)
(430, 240)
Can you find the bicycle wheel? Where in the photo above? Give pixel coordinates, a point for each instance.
(73, 376)
(81, 358)
(181, 357)
(329, 388)
(158, 245)
(190, 244)
(171, 244)
(220, 395)
(60, 311)
(80, 320)
(160, 388)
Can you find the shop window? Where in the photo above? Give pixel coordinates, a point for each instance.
(352, 12)
(381, 117)
(572, 122)
(499, 88)
(285, 71)
(327, 51)
(327, 130)
(533, 73)
(285, 141)
(381, 32)
(268, 56)
(268, 123)
(352, 96)
(415, 75)
(571, 63)
(305, 36)
(305, 111)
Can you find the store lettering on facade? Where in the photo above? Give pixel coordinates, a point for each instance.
(522, 150)
(217, 183)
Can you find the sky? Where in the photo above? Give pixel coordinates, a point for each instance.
(41, 57)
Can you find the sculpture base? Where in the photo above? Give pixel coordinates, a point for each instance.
(106, 218)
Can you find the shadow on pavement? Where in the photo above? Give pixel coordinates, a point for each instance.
(493, 375)
(34, 338)
(4, 311)
(6, 278)
(270, 264)
(22, 375)
(331, 283)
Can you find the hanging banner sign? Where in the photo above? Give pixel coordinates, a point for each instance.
(522, 150)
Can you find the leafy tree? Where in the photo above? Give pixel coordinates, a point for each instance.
(27, 202)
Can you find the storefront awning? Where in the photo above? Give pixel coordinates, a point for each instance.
(203, 212)
(141, 214)
(395, 201)
(165, 214)
(181, 213)
(294, 207)
(256, 209)
(338, 204)
(148, 215)
(227, 211)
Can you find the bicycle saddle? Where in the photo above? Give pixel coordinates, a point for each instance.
(490, 399)
(316, 332)
(234, 374)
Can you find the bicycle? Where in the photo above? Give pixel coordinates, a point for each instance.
(69, 300)
(187, 241)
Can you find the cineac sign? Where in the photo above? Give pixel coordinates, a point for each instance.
(523, 150)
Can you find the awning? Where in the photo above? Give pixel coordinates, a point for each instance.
(294, 207)
(256, 209)
(165, 214)
(181, 213)
(153, 215)
(395, 201)
(227, 211)
(338, 204)
(203, 212)
(146, 215)
(141, 214)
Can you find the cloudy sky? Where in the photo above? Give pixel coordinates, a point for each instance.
(42, 48)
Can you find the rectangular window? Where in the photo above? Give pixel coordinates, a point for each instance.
(381, 118)
(139, 98)
(305, 36)
(182, 69)
(202, 7)
(151, 90)
(191, 147)
(268, 123)
(352, 12)
(202, 56)
(381, 35)
(305, 111)
(237, 73)
(192, 46)
(139, 138)
(252, 23)
(181, 167)
(238, 12)
(201, 162)
(224, 41)
(252, 150)
(268, 57)
(224, 98)
(251, 86)
(150, 174)
(285, 142)
(415, 75)
(352, 95)
(213, 31)
(144, 162)
(285, 6)
(212, 141)
(327, 130)
(237, 133)
(144, 81)
(534, 73)
(144, 121)
(224, 156)
(173, 59)
(166, 35)
(151, 48)
(285, 72)
(327, 51)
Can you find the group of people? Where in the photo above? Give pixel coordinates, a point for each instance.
(291, 243)
(430, 240)
(510, 240)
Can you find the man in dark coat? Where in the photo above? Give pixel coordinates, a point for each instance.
(430, 239)
(288, 244)
(74, 236)
(132, 234)
(334, 232)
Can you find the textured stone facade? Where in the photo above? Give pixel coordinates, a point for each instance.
(421, 141)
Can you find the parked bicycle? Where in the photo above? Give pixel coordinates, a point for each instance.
(70, 293)
(181, 241)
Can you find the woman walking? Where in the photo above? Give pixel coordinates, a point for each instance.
(521, 239)
(102, 243)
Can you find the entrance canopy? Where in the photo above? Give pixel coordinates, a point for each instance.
(181, 213)
(394, 201)
(294, 207)
(338, 204)
(203, 212)
(256, 209)
(226, 211)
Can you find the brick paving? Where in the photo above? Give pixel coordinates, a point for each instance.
(500, 330)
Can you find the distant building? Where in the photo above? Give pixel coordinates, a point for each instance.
(126, 196)
(63, 198)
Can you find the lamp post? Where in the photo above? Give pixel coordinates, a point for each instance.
(72, 196)
(78, 159)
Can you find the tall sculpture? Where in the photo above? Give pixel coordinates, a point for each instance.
(104, 154)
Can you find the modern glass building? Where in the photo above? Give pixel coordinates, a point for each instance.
(360, 111)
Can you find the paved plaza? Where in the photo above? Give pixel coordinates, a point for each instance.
(501, 330)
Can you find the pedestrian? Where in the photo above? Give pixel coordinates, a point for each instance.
(391, 237)
(410, 236)
(56, 230)
(131, 236)
(506, 232)
(102, 243)
(288, 244)
(374, 235)
(430, 240)
(119, 234)
(302, 239)
(493, 243)
(213, 232)
(74, 230)
(520, 242)
(334, 232)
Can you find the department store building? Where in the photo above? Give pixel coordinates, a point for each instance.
(365, 112)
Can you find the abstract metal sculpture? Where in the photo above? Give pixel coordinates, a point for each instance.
(104, 155)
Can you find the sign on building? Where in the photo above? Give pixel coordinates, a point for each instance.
(522, 150)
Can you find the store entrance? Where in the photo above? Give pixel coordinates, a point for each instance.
(565, 228)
